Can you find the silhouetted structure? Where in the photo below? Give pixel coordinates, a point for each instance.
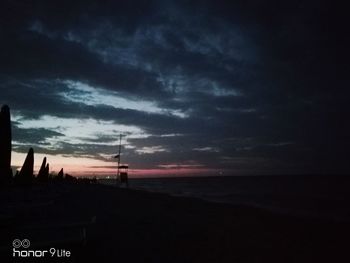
(47, 170)
(25, 176)
(11, 174)
(42, 175)
(122, 170)
(123, 174)
(60, 175)
(5, 145)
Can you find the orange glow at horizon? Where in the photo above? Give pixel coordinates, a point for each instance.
(71, 165)
(79, 166)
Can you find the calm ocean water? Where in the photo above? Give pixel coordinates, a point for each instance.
(312, 196)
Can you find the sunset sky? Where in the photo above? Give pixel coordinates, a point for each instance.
(195, 87)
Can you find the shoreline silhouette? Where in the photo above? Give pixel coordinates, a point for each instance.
(127, 225)
(101, 223)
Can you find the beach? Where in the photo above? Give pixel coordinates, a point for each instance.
(123, 225)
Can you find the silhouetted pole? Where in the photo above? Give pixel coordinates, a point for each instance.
(5, 144)
(120, 146)
(41, 175)
(60, 175)
(25, 176)
(47, 170)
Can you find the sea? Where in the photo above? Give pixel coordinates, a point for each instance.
(317, 196)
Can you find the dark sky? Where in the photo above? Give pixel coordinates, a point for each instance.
(245, 87)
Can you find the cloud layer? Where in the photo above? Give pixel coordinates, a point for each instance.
(246, 87)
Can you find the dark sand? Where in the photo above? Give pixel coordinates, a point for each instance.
(136, 226)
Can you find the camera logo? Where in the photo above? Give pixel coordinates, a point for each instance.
(20, 249)
(17, 243)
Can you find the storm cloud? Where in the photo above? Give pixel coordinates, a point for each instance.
(242, 86)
